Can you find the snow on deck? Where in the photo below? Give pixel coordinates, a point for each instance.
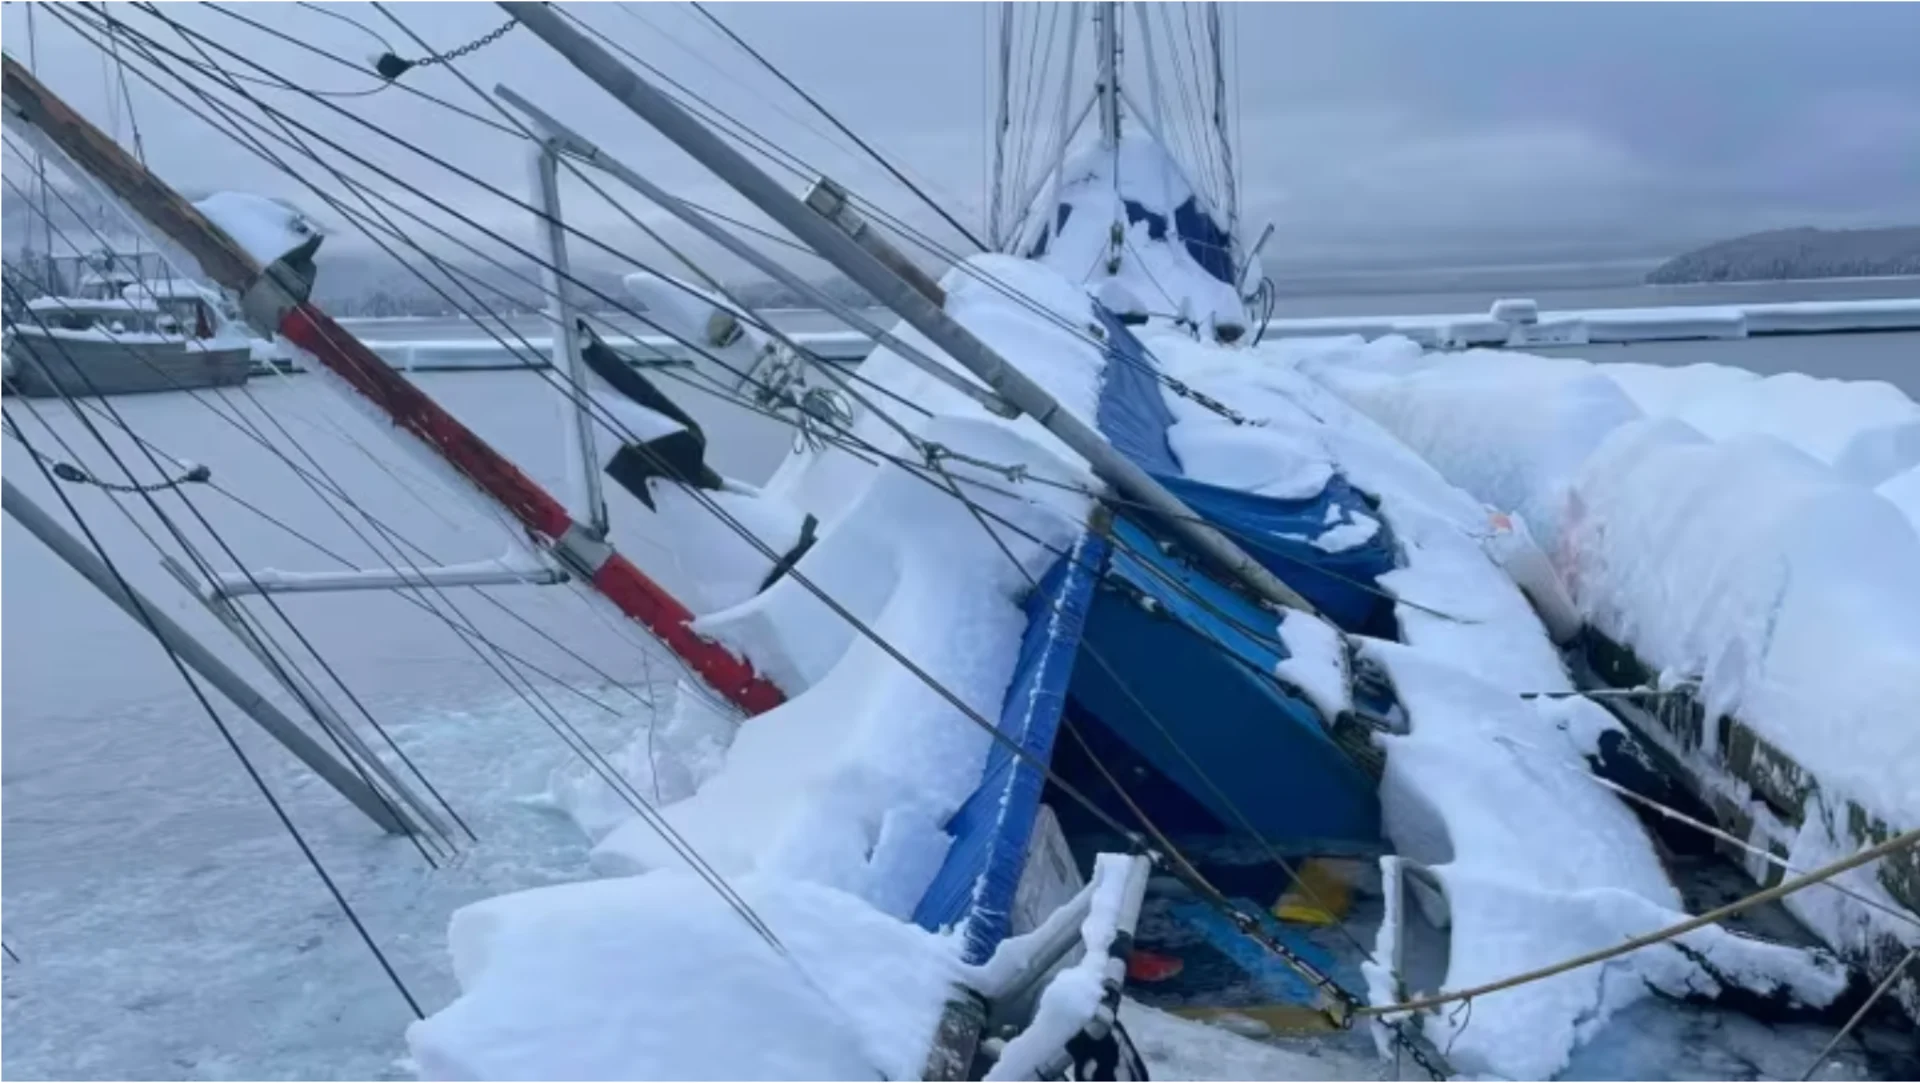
(1747, 551)
(1748, 557)
(1486, 790)
(841, 795)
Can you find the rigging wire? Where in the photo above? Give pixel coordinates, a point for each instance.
(226, 734)
(755, 540)
(284, 119)
(509, 681)
(259, 636)
(628, 793)
(814, 405)
(1860, 1013)
(771, 151)
(797, 577)
(841, 126)
(67, 472)
(1904, 841)
(723, 364)
(451, 271)
(206, 568)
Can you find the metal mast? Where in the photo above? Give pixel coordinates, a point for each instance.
(857, 263)
(1107, 42)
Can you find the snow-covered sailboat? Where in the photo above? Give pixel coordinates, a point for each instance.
(1196, 621)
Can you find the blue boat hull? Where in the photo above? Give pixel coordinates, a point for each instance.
(1171, 673)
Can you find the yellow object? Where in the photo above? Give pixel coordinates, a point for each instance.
(1272, 1018)
(1320, 896)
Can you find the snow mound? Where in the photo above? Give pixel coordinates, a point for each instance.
(1663, 390)
(1537, 866)
(850, 782)
(1316, 663)
(1452, 598)
(1866, 430)
(1903, 490)
(264, 228)
(1513, 434)
(1487, 790)
(1792, 594)
(828, 812)
(656, 977)
(1139, 188)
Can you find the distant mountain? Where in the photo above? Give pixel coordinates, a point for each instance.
(1798, 253)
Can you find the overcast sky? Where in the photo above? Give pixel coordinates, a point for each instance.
(1369, 133)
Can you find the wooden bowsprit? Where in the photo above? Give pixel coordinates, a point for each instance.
(274, 300)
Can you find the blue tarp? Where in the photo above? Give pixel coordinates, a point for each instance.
(1134, 415)
(1205, 241)
(991, 831)
(1261, 745)
(1187, 683)
(1279, 534)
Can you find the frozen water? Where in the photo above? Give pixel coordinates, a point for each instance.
(152, 898)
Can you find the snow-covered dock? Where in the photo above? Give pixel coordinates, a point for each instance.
(1512, 323)
(483, 352)
(1520, 323)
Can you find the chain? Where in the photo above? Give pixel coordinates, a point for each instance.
(1209, 402)
(391, 67)
(1413, 1049)
(935, 453)
(196, 472)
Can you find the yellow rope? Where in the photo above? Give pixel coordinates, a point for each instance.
(1865, 1007)
(1780, 890)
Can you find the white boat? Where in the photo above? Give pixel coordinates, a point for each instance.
(149, 336)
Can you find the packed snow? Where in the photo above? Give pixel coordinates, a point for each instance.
(264, 228)
(1732, 539)
(1791, 593)
(1483, 793)
(1152, 274)
(1316, 663)
(655, 977)
(841, 793)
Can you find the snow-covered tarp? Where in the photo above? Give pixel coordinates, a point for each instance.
(1487, 790)
(1723, 527)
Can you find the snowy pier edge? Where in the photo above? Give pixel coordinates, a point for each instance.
(1519, 322)
(1516, 322)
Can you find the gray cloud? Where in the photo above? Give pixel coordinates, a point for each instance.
(1369, 132)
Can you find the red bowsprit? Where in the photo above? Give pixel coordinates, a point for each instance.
(616, 577)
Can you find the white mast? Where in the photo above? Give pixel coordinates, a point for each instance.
(1221, 121)
(996, 207)
(1107, 15)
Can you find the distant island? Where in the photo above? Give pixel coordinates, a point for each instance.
(1797, 253)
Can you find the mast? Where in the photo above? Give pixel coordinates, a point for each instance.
(857, 263)
(996, 205)
(47, 269)
(1221, 120)
(1106, 16)
(195, 655)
